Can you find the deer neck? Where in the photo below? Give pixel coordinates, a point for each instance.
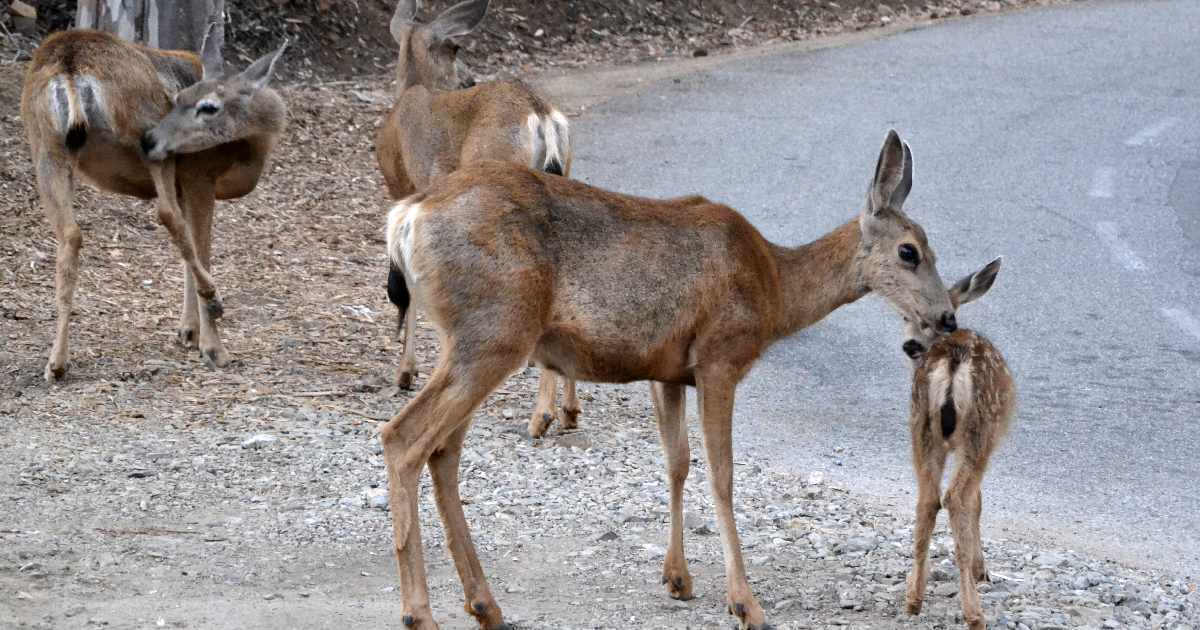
(818, 278)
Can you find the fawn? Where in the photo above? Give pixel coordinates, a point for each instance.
(963, 398)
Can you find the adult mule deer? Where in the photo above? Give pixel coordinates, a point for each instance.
(435, 128)
(149, 124)
(963, 398)
(511, 263)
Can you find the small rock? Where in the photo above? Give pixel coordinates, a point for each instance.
(259, 441)
(816, 478)
(700, 52)
(946, 589)
(377, 498)
(849, 600)
(271, 596)
(607, 536)
(509, 413)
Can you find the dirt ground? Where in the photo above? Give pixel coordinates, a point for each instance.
(135, 494)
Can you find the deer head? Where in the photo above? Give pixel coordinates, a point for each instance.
(896, 260)
(429, 52)
(919, 336)
(219, 109)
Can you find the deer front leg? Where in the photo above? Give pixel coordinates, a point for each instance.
(188, 333)
(928, 468)
(198, 205)
(170, 215)
(56, 191)
(670, 407)
(480, 603)
(543, 410)
(716, 389)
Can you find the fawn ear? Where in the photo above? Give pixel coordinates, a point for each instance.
(406, 10)
(259, 73)
(459, 19)
(973, 286)
(893, 175)
(210, 54)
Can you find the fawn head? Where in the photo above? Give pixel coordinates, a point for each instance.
(429, 52)
(896, 259)
(918, 336)
(219, 109)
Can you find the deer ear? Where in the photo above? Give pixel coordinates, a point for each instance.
(973, 286)
(210, 54)
(260, 72)
(893, 175)
(459, 19)
(406, 10)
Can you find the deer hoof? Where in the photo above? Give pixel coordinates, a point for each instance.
(538, 425)
(214, 307)
(913, 605)
(570, 419)
(405, 378)
(679, 587)
(743, 614)
(188, 338)
(54, 372)
(215, 357)
(410, 621)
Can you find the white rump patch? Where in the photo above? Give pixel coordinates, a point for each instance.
(401, 228)
(939, 387)
(549, 139)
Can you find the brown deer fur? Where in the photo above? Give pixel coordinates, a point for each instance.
(963, 398)
(511, 263)
(434, 128)
(91, 103)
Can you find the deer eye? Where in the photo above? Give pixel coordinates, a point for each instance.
(909, 254)
(207, 108)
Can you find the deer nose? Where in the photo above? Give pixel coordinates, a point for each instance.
(148, 143)
(948, 323)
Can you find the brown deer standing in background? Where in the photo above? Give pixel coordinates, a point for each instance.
(511, 263)
(435, 128)
(963, 399)
(146, 123)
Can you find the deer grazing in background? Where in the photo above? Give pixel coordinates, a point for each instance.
(434, 129)
(149, 124)
(963, 399)
(511, 263)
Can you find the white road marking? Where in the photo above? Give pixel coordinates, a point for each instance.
(1107, 230)
(1102, 183)
(1184, 320)
(1145, 136)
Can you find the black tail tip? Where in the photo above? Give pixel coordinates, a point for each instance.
(554, 167)
(76, 137)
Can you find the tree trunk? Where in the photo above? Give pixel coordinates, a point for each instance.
(170, 24)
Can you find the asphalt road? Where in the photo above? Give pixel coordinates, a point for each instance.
(1065, 139)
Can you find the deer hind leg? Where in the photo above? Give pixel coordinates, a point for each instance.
(188, 334)
(570, 407)
(171, 216)
(670, 407)
(198, 202)
(716, 390)
(443, 467)
(978, 567)
(406, 324)
(960, 503)
(929, 461)
(427, 425)
(543, 410)
(56, 188)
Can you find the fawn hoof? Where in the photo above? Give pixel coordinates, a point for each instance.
(214, 307)
(405, 379)
(976, 624)
(215, 357)
(913, 606)
(539, 424)
(570, 419)
(188, 338)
